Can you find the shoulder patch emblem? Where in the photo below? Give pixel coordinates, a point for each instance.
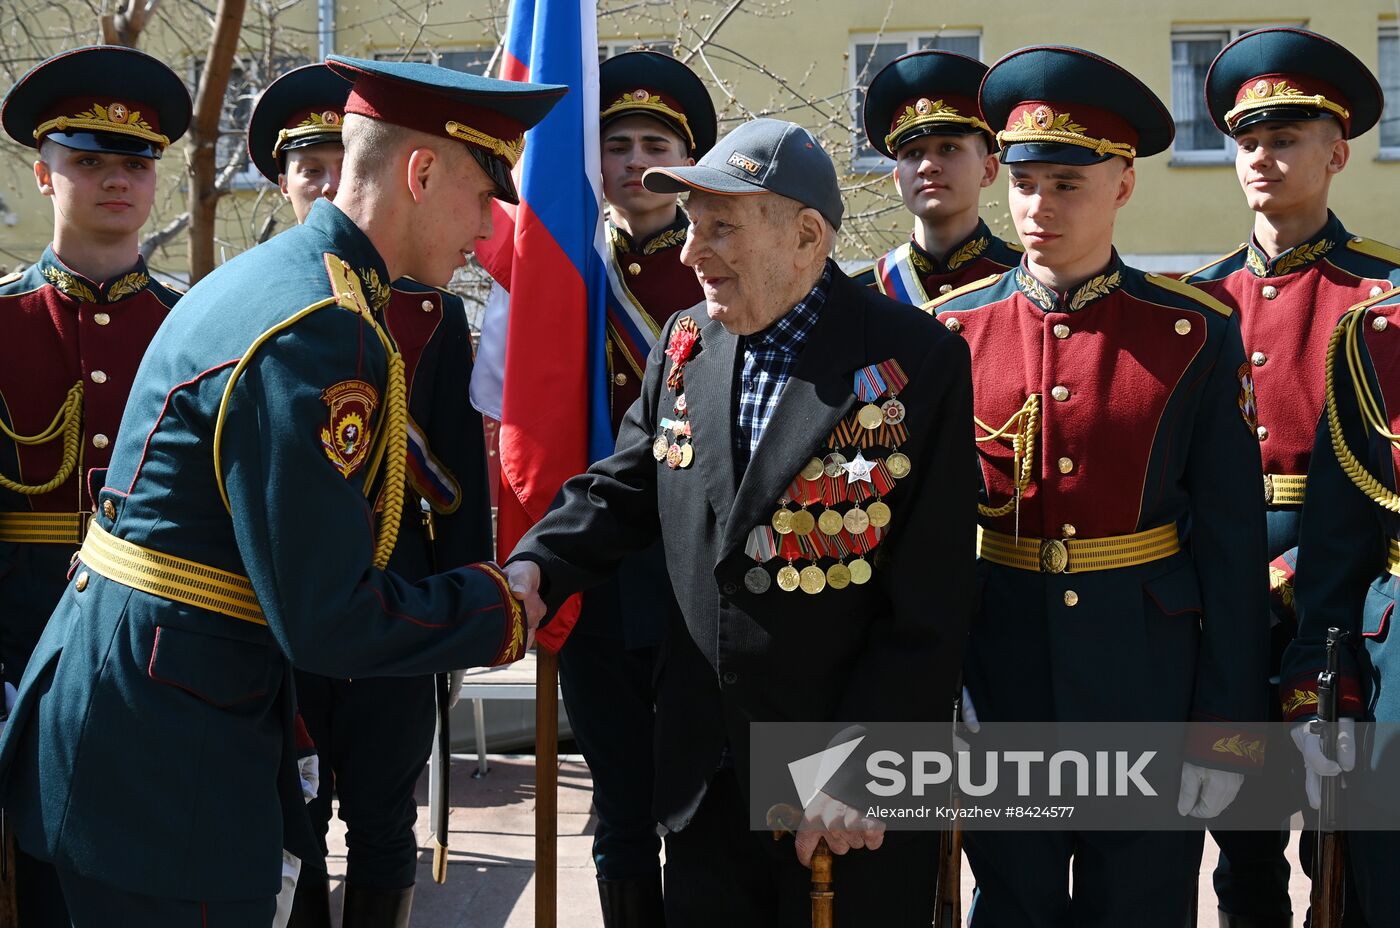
(346, 435)
(1249, 409)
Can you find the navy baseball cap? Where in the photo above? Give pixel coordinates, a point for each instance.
(761, 156)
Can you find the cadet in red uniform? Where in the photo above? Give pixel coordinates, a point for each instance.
(373, 734)
(76, 324)
(1291, 99)
(655, 113)
(921, 110)
(1349, 578)
(1122, 534)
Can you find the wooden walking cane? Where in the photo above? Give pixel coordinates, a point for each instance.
(546, 785)
(785, 819)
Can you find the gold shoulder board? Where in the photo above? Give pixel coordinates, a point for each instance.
(1191, 293)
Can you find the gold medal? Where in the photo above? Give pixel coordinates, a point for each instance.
(789, 579)
(813, 470)
(856, 521)
(802, 522)
(838, 576)
(782, 522)
(813, 579)
(879, 514)
(893, 412)
(870, 416)
(834, 464)
(687, 455)
(860, 571)
(757, 580)
(673, 457)
(830, 522)
(659, 448)
(898, 465)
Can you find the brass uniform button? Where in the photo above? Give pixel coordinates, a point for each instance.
(620, 379)
(81, 583)
(1061, 330)
(101, 318)
(1376, 291)
(1258, 358)
(109, 509)
(953, 325)
(1262, 432)
(100, 441)
(99, 376)
(1071, 598)
(427, 306)
(1060, 393)
(1379, 323)
(1183, 327)
(1269, 291)
(1068, 530)
(634, 268)
(946, 288)
(1066, 465)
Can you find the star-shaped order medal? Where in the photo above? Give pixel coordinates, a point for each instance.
(858, 469)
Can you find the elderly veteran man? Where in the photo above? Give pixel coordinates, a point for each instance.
(792, 449)
(76, 324)
(1291, 99)
(1349, 578)
(921, 110)
(253, 500)
(373, 734)
(1121, 527)
(655, 112)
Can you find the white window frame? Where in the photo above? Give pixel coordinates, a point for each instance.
(878, 163)
(607, 48)
(1225, 154)
(1388, 29)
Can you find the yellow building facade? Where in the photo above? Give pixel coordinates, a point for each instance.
(806, 61)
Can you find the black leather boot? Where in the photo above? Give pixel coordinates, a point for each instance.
(631, 903)
(311, 906)
(1253, 921)
(376, 908)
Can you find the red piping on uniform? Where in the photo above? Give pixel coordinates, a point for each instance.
(166, 405)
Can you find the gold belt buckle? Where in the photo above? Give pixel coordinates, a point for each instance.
(1268, 488)
(1054, 556)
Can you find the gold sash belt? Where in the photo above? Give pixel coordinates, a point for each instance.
(170, 577)
(43, 528)
(1284, 489)
(1077, 555)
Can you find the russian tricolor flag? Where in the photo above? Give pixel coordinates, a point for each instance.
(548, 255)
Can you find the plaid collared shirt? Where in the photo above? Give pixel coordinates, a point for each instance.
(769, 357)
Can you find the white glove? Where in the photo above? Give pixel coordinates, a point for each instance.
(969, 720)
(291, 870)
(1319, 766)
(309, 769)
(454, 687)
(1205, 791)
(10, 696)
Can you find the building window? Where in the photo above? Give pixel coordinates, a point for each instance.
(1390, 83)
(870, 52)
(246, 80)
(1198, 141)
